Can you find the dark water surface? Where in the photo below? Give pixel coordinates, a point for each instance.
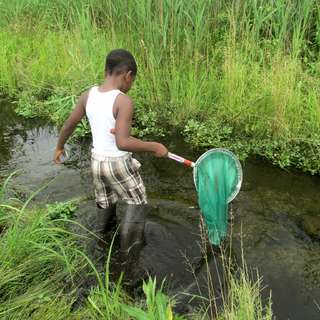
(269, 213)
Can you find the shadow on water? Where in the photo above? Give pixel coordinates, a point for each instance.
(272, 214)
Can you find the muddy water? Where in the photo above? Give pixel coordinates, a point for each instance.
(270, 213)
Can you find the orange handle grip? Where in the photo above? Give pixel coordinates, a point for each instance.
(177, 158)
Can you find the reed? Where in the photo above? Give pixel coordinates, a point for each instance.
(251, 66)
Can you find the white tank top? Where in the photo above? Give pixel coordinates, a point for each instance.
(99, 110)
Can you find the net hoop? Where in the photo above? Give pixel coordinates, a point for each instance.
(236, 161)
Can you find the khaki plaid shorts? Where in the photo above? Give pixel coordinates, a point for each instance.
(117, 178)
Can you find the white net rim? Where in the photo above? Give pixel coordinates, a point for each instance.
(234, 158)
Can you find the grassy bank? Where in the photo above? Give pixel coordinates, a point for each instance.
(41, 262)
(239, 74)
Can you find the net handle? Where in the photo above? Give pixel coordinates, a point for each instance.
(179, 159)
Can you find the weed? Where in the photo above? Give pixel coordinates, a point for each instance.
(61, 210)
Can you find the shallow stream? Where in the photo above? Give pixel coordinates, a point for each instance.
(276, 215)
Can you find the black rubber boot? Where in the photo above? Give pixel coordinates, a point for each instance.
(105, 219)
(132, 241)
(100, 224)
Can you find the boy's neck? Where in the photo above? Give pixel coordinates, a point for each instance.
(111, 83)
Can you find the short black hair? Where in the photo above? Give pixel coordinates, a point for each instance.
(120, 60)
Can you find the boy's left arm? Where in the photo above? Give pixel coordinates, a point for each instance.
(70, 124)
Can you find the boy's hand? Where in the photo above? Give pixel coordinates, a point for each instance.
(57, 154)
(159, 150)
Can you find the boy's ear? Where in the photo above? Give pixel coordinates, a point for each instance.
(128, 75)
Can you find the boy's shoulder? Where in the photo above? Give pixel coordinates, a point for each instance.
(123, 105)
(84, 97)
(124, 100)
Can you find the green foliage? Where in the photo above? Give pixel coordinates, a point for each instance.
(158, 305)
(239, 74)
(244, 300)
(37, 257)
(147, 123)
(61, 210)
(203, 134)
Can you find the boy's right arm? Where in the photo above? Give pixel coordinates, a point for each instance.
(70, 124)
(123, 114)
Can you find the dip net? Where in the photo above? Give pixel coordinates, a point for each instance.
(218, 178)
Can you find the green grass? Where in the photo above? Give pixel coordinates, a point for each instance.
(239, 74)
(244, 301)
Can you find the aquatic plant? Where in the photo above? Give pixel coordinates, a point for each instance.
(61, 210)
(157, 304)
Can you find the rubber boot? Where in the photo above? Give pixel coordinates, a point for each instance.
(132, 241)
(100, 224)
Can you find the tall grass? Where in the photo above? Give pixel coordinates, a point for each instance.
(244, 301)
(241, 74)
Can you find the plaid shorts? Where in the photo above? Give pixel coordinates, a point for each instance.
(117, 178)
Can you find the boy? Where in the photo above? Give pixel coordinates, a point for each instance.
(115, 173)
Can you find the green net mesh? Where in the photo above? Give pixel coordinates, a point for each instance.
(217, 178)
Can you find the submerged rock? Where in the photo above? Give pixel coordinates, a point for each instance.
(282, 253)
(311, 225)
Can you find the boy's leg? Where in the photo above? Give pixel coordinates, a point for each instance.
(105, 218)
(132, 238)
(129, 186)
(105, 214)
(100, 223)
